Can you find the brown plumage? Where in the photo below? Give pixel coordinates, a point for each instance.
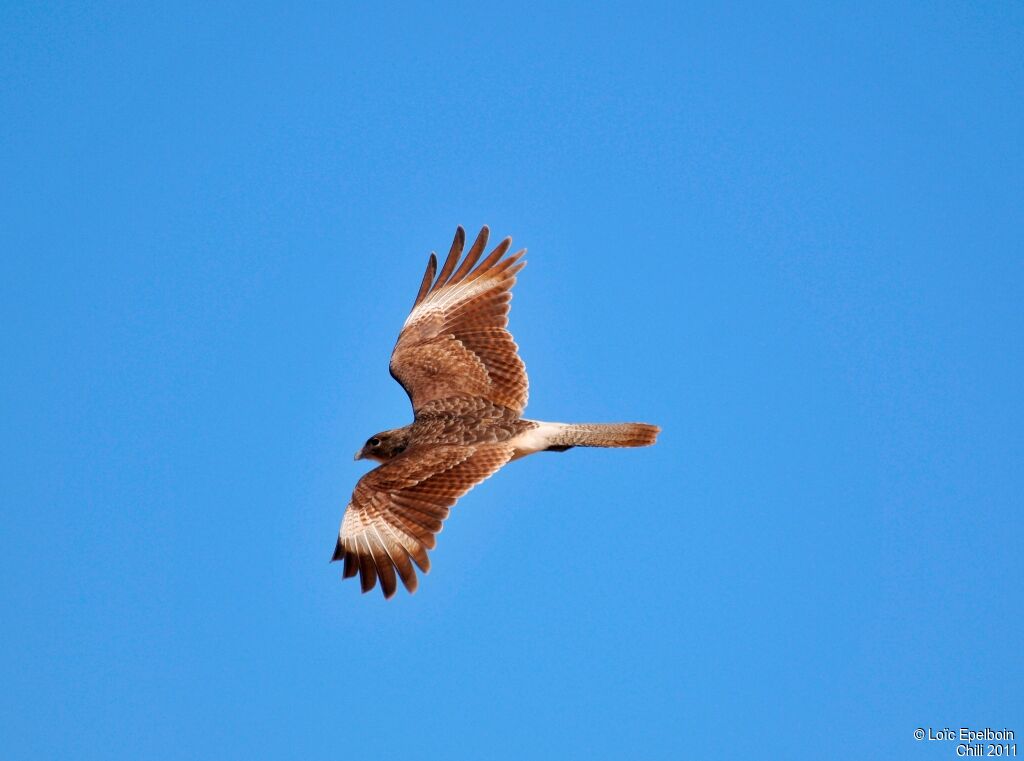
(468, 387)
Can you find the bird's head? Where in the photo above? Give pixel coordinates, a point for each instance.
(382, 446)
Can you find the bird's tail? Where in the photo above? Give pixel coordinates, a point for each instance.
(602, 435)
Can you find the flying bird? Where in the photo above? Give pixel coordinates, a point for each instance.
(461, 369)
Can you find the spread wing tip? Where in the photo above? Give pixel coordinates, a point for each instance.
(369, 571)
(468, 269)
(428, 279)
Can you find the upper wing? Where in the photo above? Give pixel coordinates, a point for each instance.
(454, 342)
(397, 509)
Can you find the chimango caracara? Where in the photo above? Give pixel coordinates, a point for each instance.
(468, 387)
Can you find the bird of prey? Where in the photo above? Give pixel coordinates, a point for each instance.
(468, 388)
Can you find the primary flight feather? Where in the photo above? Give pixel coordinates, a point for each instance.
(461, 369)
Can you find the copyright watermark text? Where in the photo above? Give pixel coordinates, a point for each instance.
(973, 742)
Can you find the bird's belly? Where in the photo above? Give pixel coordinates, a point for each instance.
(533, 440)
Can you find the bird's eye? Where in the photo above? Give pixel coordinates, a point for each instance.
(374, 442)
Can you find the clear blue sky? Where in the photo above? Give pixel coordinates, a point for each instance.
(791, 237)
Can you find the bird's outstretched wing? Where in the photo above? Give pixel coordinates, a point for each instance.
(455, 342)
(398, 508)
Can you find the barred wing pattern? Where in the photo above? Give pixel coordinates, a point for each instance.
(397, 510)
(455, 342)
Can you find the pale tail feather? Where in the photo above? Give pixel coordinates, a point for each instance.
(602, 435)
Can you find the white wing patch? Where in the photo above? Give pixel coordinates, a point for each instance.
(443, 299)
